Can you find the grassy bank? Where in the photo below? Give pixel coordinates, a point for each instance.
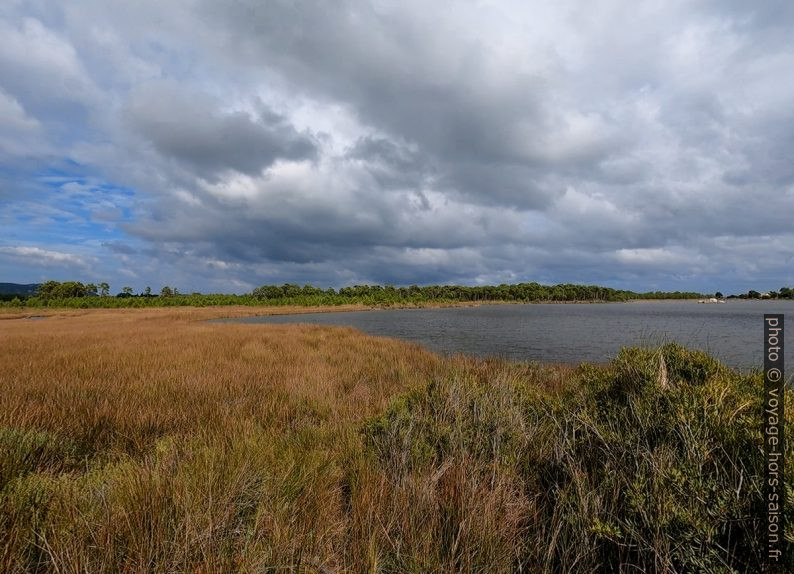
(150, 441)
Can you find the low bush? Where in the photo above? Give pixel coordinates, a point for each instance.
(653, 463)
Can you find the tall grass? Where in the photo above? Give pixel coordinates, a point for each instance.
(150, 441)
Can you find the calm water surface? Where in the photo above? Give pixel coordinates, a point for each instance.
(559, 333)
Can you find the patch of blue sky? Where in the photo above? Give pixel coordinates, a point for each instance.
(64, 206)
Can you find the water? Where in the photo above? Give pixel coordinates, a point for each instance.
(560, 333)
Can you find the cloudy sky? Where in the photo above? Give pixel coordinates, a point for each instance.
(217, 146)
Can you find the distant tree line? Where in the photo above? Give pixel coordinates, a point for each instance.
(783, 293)
(87, 295)
(525, 292)
(78, 294)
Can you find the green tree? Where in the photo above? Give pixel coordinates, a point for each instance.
(47, 290)
(291, 290)
(268, 292)
(58, 290)
(104, 289)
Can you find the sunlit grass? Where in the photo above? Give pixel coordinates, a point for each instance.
(152, 441)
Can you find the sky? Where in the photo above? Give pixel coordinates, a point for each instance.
(217, 146)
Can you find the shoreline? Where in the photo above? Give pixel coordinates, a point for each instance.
(10, 313)
(220, 312)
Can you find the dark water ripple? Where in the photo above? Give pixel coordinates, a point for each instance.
(561, 333)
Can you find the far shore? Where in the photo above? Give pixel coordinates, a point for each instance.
(235, 311)
(266, 310)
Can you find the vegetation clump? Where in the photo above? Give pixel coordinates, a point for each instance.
(620, 471)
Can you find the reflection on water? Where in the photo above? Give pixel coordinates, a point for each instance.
(561, 333)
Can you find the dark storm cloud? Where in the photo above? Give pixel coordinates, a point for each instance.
(391, 164)
(410, 76)
(275, 223)
(190, 128)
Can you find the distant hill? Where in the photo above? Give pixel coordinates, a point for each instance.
(18, 289)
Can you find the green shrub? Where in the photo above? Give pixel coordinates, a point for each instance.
(652, 464)
(24, 450)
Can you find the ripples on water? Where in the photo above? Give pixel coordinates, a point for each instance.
(565, 333)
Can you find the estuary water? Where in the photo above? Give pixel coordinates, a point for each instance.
(571, 333)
